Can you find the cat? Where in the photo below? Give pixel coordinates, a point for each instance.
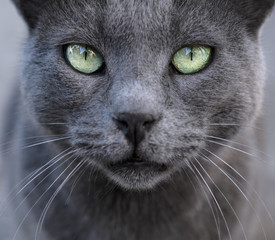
(136, 120)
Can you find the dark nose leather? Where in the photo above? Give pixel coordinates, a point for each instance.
(134, 126)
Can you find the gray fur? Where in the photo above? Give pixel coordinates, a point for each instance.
(138, 40)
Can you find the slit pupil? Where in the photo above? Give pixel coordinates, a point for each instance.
(86, 54)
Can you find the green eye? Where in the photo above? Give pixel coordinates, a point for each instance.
(84, 58)
(192, 59)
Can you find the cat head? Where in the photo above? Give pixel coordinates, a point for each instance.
(141, 116)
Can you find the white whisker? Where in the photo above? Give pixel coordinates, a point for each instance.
(27, 214)
(242, 193)
(75, 183)
(214, 198)
(40, 182)
(225, 198)
(48, 141)
(240, 144)
(237, 125)
(214, 213)
(243, 178)
(29, 178)
(43, 215)
(233, 148)
(50, 164)
(33, 137)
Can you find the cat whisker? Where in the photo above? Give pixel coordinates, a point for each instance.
(189, 179)
(237, 125)
(45, 169)
(37, 144)
(244, 179)
(2, 145)
(214, 213)
(43, 215)
(213, 196)
(223, 195)
(77, 179)
(90, 179)
(48, 141)
(240, 144)
(42, 195)
(40, 182)
(233, 148)
(54, 123)
(239, 189)
(109, 188)
(32, 176)
(6, 134)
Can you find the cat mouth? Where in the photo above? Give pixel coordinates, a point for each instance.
(137, 173)
(137, 164)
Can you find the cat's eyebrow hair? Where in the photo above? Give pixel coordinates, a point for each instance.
(78, 39)
(191, 40)
(78, 35)
(201, 33)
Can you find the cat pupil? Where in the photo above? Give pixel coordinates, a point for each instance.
(86, 54)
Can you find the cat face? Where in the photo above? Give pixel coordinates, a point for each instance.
(139, 120)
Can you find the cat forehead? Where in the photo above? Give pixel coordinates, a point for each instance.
(117, 13)
(133, 21)
(137, 12)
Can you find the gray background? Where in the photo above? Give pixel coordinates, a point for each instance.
(12, 35)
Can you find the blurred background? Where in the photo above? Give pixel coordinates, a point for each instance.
(13, 33)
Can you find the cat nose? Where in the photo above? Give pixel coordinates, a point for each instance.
(135, 126)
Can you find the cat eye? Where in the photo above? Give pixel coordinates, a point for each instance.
(192, 59)
(83, 58)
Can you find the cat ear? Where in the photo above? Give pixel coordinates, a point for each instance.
(254, 12)
(30, 10)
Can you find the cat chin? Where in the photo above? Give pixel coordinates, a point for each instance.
(137, 177)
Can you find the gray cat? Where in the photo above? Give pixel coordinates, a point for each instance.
(135, 120)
